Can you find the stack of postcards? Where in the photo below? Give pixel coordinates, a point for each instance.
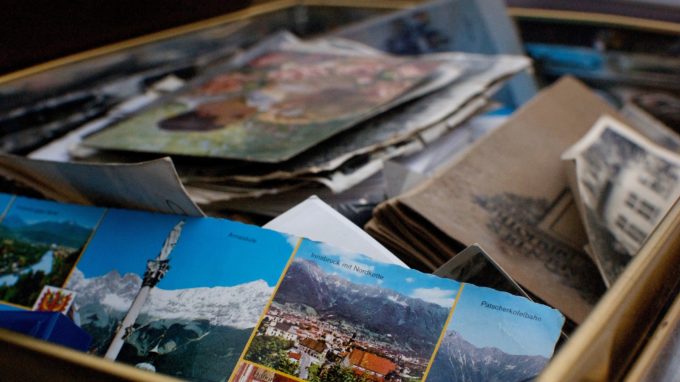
(206, 299)
(290, 115)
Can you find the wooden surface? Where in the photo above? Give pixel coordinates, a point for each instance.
(604, 346)
(35, 31)
(24, 358)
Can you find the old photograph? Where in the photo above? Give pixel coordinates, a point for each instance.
(626, 185)
(279, 95)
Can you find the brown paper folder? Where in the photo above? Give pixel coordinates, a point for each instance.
(514, 174)
(510, 193)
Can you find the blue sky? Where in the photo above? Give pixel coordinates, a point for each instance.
(4, 201)
(33, 211)
(513, 334)
(402, 280)
(205, 254)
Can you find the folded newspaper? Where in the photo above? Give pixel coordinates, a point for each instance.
(209, 299)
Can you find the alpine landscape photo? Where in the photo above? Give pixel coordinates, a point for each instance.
(495, 337)
(40, 242)
(338, 316)
(195, 322)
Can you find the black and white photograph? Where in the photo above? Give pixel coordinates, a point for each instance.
(626, 185)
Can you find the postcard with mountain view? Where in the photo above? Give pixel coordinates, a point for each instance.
(208, 299)
(197, 319)
(338, 316)
(40, 242)
(201, 284)
(276, 105)
(495, 337)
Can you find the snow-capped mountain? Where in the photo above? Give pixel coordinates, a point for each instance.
(238, 306)
(111, 286)
(459, 360)
(414, 323)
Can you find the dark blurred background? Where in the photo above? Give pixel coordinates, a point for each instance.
(35, 31)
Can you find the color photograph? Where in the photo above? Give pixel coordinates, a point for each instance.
(495, 336)
(248, 372)
(176, 295)
(40, 241)
(342, 316)
(277, 105)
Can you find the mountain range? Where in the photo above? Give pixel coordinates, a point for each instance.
(196, 334)
(238, 306)
(66, 233)
(460, 361)
(413, 323)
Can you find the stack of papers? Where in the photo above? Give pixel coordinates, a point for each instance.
(287, 115)
(509, 193)
(562, 196)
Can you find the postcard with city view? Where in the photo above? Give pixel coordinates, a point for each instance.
(339, 316)
(204, 299)
(276, 105)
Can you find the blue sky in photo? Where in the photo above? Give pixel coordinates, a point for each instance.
(512, 334)
(405, 281)
(35, 211)
(205, 255)
(4, 201)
